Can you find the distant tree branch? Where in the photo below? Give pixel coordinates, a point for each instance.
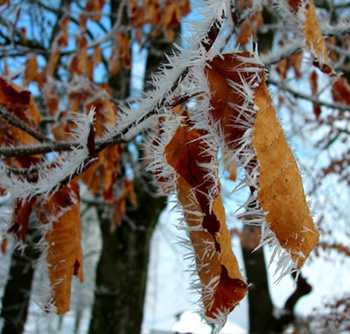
(54, 146)
(303, 288)
(308, 97)
(14, 121)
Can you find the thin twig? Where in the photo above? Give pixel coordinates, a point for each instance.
(332, 105)
(15, 121)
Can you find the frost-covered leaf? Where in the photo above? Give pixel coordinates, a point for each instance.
(341, 91)
(31, 71)
(20, 218)
(64, 254)
(17, 110)
(243, 109)
(281, 193)
(221, 284)
(313, 35)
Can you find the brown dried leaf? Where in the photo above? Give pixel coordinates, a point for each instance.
(82, 57)
(296, 60)
(20, 218)
(31, 70)
(121, 55)
(5, 2)
(294, 5)
(341, 91)
(4, 244)
(314, 88)
(250, 27)
(119, 209)
(20, 105)
(282, 67)
(185, 7)
(94, 6)
(97, 57)
(313, 35)
(128, 191)
(52, 101)
(222, 284)
(64, 254)
(51, 64)
(63, 37)
(234, 67)
(171, 15)
(281, 192)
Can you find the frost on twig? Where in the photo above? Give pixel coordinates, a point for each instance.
(53, 173)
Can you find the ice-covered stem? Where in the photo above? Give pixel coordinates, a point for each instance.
(15, 121)
(119, 133)
(53, 175)
(308, 97)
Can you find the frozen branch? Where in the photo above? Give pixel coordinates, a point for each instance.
(307, 97)
(14, 121)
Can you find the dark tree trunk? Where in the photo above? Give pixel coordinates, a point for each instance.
(122, 269)
(303, 288)
(261, 319)
(260, 304)
(17, 291)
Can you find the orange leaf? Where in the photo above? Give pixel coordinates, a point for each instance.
(152, 11)
(20, 219)
(119, 209)
(296, 60)
(294, 5)
(82, 57)
(97, 57)
(128, 190)
(19, 104)
(341, 91)
(243, 105)
(121, 55)
(250, 27)
(185, 7)
(64, 254)
(90, 68)
(91, 179)
(3, 2)
(51, 64)
(4, 244)
(31, 70)
(52, 101)
(222, 285)
(314, 88)
(281, 193)
(63, 37)
(282, 67)
(237, 69)
(171, 15)
(313, 35)
(94, 6)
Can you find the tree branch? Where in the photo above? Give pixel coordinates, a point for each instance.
(332, 105)
(14, 121)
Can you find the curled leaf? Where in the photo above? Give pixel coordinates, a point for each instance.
(281, 193)
(244, 110)
(313, 35)
(222, 286)
(64, 254)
